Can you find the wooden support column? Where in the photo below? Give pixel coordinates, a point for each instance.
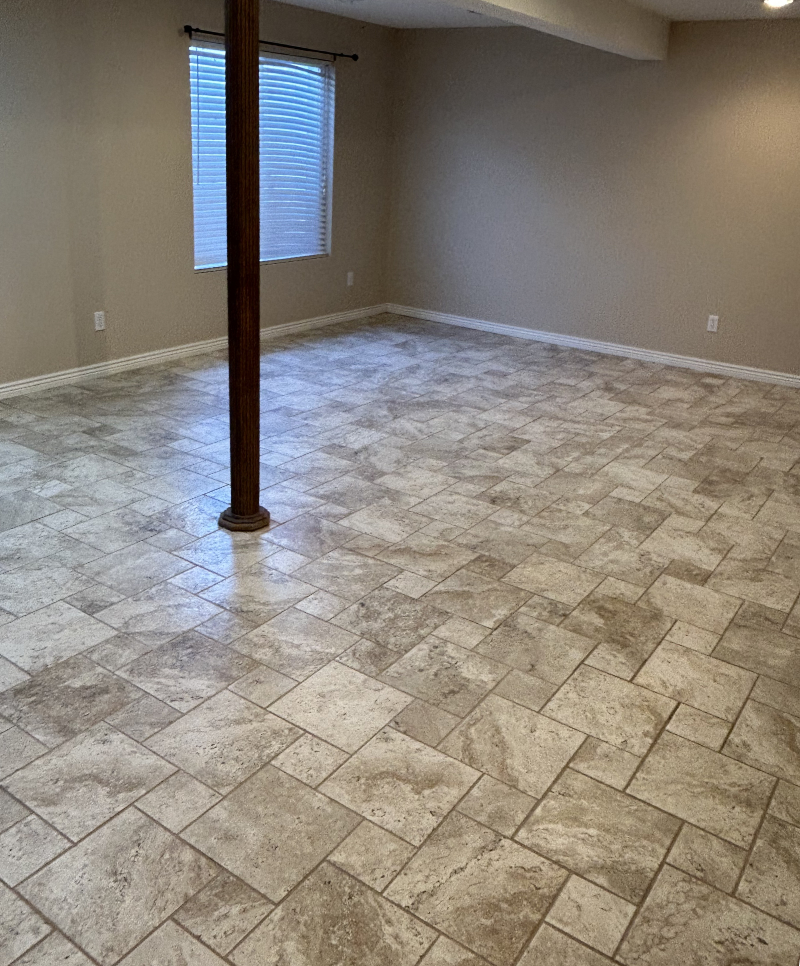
(244, 309)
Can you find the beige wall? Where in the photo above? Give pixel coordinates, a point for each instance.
(96, 186)
(531, 181)
(543, 184)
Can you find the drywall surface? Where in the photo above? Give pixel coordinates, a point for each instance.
(544, 184)
(96, 180)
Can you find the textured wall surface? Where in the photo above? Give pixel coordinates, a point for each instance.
(544, 184)
(96, 180)
(498, 174)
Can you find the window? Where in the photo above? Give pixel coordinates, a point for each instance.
(296, 100)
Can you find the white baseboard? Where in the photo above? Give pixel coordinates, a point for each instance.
(726, 369)
(66, 376)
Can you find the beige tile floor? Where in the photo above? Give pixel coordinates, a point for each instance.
(513, 678)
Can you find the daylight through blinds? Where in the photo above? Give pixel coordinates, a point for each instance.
(296, 99)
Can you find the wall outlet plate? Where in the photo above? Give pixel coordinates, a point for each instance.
(713, 323)
(351, 278)
(99, 321)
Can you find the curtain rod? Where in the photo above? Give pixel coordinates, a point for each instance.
(191, 31)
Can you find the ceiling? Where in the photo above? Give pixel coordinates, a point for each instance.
(402, 13)
(716, 9)
(441, 13)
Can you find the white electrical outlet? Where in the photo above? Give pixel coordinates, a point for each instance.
(99, 321)
(351, 278)
(713, 323)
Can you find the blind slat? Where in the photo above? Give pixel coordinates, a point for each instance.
(296, 102)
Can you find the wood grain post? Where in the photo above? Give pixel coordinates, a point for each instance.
(244, 309)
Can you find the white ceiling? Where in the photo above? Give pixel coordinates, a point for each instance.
(441, 13)
(401, 13)
(717, 9)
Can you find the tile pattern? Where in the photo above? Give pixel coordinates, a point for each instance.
(512, 678)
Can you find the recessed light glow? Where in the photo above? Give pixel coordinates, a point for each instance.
(777, 4)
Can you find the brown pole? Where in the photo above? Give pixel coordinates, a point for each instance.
(244, 310)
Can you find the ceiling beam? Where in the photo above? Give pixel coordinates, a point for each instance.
(613, 25)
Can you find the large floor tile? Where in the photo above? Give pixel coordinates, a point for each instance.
(535, 647)
(477, 598)
(55, 950)
(767, 739)
(50, 635)
(372, 855)
(427, 556)
(82, 783)
(110, 891)
(445, 675)
(20, 927)
(602, 834)
(555, 579)
(171, 946)
(692, 678)
(741, 578)
(478, 888)
(626, 634)
(22, 507)
(552, 948)
(64, 700)
(401, 785)
(158, 614)
(687, 602)
(296, 644)
(619, 554)
(707, 789)
(333, 920)
(226, 553)
(179, 486)
(686, 921)
(115, 530)
(33, 541)
(17, 748)
(514, 745)
(591, 914)
(271, 831)
(223, 913)
(773, 872)
(257, 594)
(764, 651)
(455, 509)
(29, 588)
(311, 536)
(509, 544)
(341, 706)
(224, 741)
(613, 710)
(347, 574)
(704, 550)
(387, 523)
(135, 569)
(187, 670)
(708, 858)
(392, 619)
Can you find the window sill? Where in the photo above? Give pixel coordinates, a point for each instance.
(270, 261)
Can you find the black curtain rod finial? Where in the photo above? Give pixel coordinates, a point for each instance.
(191, 31)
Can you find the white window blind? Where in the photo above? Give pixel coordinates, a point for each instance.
(296, 107)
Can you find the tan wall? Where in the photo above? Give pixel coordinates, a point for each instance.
(544, 184)
(96, 181)
(535, 182)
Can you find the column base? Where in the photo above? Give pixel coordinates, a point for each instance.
(229, 520)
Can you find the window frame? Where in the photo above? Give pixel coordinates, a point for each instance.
(264, 49)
